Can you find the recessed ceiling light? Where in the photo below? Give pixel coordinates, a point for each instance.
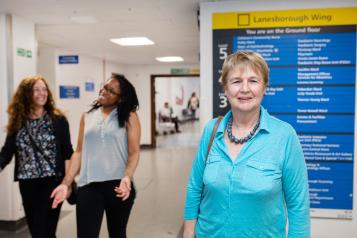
(169, 59)
(132, 41)
(83, 19)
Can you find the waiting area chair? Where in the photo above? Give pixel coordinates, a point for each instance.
(164, 127)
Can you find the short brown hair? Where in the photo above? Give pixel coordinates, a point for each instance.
(244, 59)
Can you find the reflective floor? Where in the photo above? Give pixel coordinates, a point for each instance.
(160, 181)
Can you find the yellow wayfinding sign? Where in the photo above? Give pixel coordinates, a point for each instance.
(284, 18)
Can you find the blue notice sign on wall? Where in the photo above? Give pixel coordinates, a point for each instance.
(68, 59)
(69, 91)
(89, 86)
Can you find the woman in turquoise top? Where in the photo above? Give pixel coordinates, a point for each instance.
(254, 181)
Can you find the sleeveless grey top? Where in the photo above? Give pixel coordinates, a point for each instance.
(105, 148)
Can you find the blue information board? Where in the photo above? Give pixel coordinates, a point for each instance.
(312, 87)
(69, 91)
(68, 59)
(89, 86)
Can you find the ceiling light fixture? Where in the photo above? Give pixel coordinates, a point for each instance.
(169, 59)
(132, 41)
(83, 19)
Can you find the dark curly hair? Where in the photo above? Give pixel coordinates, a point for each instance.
(20, 106)
(128, 100)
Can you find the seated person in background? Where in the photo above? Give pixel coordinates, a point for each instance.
(167, 115)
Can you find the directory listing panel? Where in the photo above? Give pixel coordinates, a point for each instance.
(312, 59)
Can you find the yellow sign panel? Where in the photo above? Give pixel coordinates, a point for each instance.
(285, 18)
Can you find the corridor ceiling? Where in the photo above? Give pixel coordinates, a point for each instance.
(171, 24)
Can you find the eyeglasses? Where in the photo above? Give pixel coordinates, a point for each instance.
(109, 90)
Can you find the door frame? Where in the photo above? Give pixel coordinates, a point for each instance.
(152, 96)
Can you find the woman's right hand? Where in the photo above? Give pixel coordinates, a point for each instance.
(124, 188)
(59, 194)
(62, 191)
(189, 229)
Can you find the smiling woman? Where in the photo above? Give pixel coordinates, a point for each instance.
(109, 89)
(38, 136)
(244, 89)
(107, 154)
(40, 93)
(262, 171)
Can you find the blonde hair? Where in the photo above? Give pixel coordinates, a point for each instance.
(244, 59)
(19, 108)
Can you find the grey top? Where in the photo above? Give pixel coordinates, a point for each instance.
(105, 148)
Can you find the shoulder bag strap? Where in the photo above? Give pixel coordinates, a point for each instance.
(209, 148)
(212, 136)
(36, 148)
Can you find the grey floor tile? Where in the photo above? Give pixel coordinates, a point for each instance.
(160, 180)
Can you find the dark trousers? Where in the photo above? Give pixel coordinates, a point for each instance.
(193, 114)
(175, 121)
(41, 218)
(93, 200)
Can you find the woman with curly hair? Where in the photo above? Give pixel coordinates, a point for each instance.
(107, 155)
(38, 135)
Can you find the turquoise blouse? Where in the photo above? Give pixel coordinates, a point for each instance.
(256, 194)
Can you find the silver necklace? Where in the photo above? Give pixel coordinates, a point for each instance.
(236, 140)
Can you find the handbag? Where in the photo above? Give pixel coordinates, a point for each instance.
(72, 199)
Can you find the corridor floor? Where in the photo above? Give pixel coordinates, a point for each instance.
(160, 182)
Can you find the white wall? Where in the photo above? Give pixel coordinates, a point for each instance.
(47, 67)
(13, 69)
(3, 78)
(321, 228)
(23, 37)
(5, 176)
(111, 67)
(89, 69)
(96, 70)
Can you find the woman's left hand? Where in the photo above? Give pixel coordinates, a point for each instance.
(123, 191)
(59, 194)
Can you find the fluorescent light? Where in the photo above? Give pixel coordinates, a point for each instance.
(169, 59)
(83, 19)
(132, 41)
